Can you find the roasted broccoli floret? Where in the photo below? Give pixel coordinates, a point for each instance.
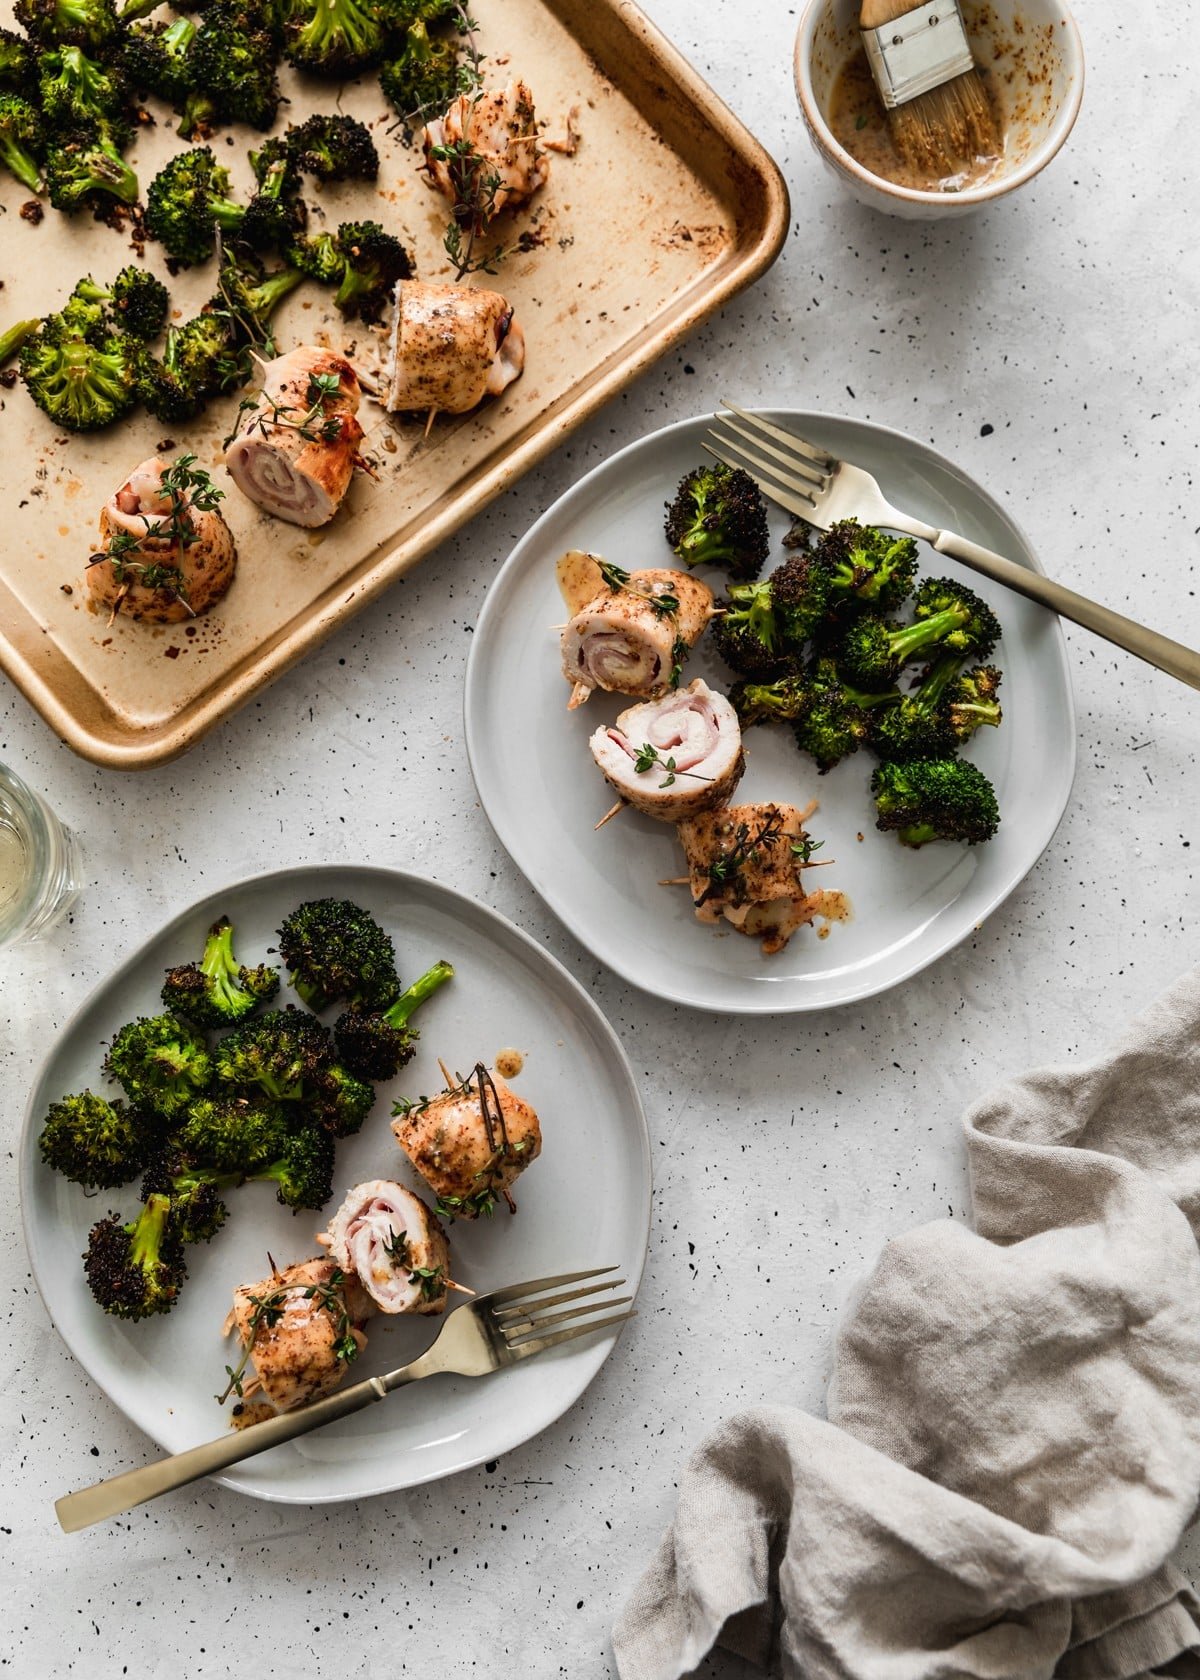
(197, 363)
(231, 1134)
(161, 1062)
(333, 37)
(719, 518)
(778, 701)
(76, 23)
(935, 799)
(82, 382)
(187, 201)
(78, 94)
(282, 1054)
(139, 303)
(276, 216)
(949, 616)
(376, 1045)
(944, 710)
(18, 66)
(85, 171)
(232, 68)
(867, 565)
(137, 1269)
(361, 260)
(20, 140)
(341, 1100)
(335, 949)
(424, 77)
(765, 625)
(302, 1173)
(838, 718)
(197, 1209)
(218, 991)
(157, 59)
(333, 148)
(95, 1143)
(246, 302)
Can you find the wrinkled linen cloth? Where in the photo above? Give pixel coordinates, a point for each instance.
(1013, 1444)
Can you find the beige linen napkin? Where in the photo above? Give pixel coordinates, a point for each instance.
(1013, 1448)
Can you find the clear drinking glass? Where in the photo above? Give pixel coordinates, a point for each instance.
(39, 862)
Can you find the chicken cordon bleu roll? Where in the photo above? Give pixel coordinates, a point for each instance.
(165, 552)
(300, 1329)
(296, 443)
(451, 346)
(470, 1143)
(744, 865)
(673, 757)
(387, 1237)
(500, 129)
(629, 632)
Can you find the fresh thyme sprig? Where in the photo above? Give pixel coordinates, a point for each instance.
(188, 488)
(617, 579)
(805, 847)
(312, 424)
(648, 756)
(428, 1277)
(270, 1308)
(730, 867)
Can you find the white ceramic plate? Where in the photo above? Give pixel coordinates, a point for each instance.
(585, 1202)
(543, 794)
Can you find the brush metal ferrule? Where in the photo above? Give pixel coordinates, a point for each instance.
(918, 51)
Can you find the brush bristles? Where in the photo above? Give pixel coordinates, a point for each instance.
(942, 132)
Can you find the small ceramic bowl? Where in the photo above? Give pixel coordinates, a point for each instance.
(1034, 58)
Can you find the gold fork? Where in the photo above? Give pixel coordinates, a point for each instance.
(811, 482)
(487, 1334)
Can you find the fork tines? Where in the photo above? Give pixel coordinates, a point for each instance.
(793, 475)
(527, 1325)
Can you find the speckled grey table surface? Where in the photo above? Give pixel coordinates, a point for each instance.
(1049, 346)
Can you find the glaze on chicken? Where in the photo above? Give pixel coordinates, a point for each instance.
(470, 1143)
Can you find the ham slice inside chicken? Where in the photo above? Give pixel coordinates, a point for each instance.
(626, 639)
(696, 743)
(295, 450)
(389, 1239)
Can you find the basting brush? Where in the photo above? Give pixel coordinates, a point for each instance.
(930, 85)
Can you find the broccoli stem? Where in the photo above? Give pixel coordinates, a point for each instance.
(917, 834)
(272, 291)
(149, 1230)
(20, 163)
(407, 1002)
(925, 698)
(133, 9)
(220, 964)
(12, 340)
(911, 638)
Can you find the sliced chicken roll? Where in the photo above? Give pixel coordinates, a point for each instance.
(386, 1236)
(162, 558)
(451, 346)
(673, 757)
(499, 129)
(296, 444)
(470, 1143)
(745, 864)
(303, 1329)
(634, 630)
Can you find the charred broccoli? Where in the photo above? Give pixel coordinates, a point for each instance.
(76, 23)
(198, 362)
(831, 718)
(424, 77)
(245, 302)
(943, 711)
(83, 378)
(282, 1054)
(78, 94)
(333, 148)
(85, 170)
(138, 1269)
(218, 991)
(361, 260)
(161, 1063)
(719, 518)
(948, 616)
(336, 949)
(935, 799)
(276, 216)
(157, 59)
(334, 37)
(765, 625)
(231, 63)
(20, 140)
(95, 1143)
(18, 66)
(867, 565)
(376, 1045)
(187, 201)
(302, 1172)
(138, 301)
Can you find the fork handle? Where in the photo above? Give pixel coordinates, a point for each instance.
(1171, 657)
(133, 1487)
